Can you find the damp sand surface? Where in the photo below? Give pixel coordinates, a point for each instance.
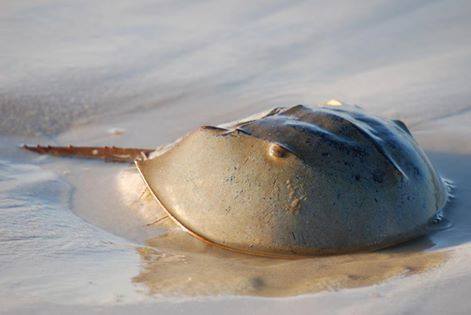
(100, 242)
(81, 236)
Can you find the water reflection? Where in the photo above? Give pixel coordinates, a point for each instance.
(177, 264)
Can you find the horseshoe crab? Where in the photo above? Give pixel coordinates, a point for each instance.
(293, 181)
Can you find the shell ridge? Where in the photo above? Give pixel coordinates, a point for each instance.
(367, 132)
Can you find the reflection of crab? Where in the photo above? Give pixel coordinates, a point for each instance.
(295, 180)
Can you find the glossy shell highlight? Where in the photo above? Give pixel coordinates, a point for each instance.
(299, 181)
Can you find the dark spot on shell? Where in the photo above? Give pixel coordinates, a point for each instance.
(230, 178)
(356, 277)
(378, 176)
(410, 269)
(277, 151)
(257, 283)
(416, 171)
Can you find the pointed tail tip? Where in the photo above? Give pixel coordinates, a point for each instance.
(25, 146)
(34, 148)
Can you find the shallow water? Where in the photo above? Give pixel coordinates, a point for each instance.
(175, 265)
(143, 74)
(47, 252)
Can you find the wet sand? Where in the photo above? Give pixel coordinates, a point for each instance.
(175, 265)
(147, 266)
(76, 236)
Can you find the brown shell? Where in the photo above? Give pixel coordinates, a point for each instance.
(299, 181)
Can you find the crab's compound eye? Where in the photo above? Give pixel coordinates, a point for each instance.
(277, 151)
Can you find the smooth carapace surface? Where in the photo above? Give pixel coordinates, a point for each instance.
(299, 181)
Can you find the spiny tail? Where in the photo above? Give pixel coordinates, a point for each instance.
(108, 154)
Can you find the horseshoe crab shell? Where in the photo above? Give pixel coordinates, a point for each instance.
(299, 181)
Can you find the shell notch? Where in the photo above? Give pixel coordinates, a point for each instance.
(349, 181)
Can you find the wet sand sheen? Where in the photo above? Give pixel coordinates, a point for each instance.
(151, 72)
(176, 264)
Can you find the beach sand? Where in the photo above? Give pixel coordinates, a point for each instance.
(77, 236)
